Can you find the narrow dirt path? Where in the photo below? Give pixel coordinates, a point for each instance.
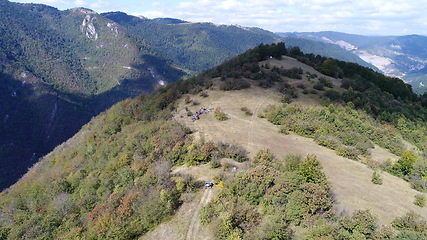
(255, 115)
(185, 224)
(195, 224)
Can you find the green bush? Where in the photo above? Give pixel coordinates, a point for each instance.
(234, 84)
(215, 163)
(327, 141)
(220, 115)
(286, 99)
(232, 151)
(332, 95)
(404, 165)
(412, 221)
(326, 82)
(246, 111)
(361, 222)
(376, 178)
(347, 152)
(319, 86)
(420, 200)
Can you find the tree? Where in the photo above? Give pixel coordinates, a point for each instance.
(405, 164)
(329, 67)
(311, 170)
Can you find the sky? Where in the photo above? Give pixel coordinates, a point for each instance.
(365, 17)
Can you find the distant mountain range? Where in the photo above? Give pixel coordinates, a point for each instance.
(194, 46)
(398, 56)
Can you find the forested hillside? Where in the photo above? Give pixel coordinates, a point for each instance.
(114, 179)
(60, 68)
(196, 46)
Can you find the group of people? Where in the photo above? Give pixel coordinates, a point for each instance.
(202, 110)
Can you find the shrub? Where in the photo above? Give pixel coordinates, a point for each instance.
(327, 141)
(234, 84)
(326, 82)
(420, 200)
(292, 163)
(234, 152)
(404, 165)
(311, 170)
(295, 207)
(319, 86)
(332, 94)
(411, 221)
(418, 183)
(286, 99)
(295, 73)
(246, 111)
(220, 115)
(215, 163)
(347, 152)
(204, 94)
(264, 156)
(284, 131)
(376, 178)
(301, 86)
(361, 222)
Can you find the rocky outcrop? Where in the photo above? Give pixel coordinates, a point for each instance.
(88, 27)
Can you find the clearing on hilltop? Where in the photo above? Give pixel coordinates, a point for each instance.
(273, 144)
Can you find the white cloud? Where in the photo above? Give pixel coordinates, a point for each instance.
(47, 2)
(80, 3)
(373, 17)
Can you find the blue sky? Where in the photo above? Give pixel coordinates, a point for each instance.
(366, 17)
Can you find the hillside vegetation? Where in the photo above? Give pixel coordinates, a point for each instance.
(58, 69)
(115, 178)
(196, 46)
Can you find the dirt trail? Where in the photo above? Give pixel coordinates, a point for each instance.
(185, 224)
(195, 224)
(350, 180)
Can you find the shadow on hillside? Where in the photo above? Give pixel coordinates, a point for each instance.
(35, 118)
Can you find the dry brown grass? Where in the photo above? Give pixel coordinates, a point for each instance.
(350, 180)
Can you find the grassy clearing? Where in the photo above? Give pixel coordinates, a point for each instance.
(350, 180)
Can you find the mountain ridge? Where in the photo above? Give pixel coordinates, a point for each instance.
(398, 56)
(115, 178)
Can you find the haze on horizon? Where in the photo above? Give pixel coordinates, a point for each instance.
(373, 17)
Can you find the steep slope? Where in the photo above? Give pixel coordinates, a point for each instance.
(137, 170)
(399, 56)
(196, 46)
(58, 69)
(64, 67)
